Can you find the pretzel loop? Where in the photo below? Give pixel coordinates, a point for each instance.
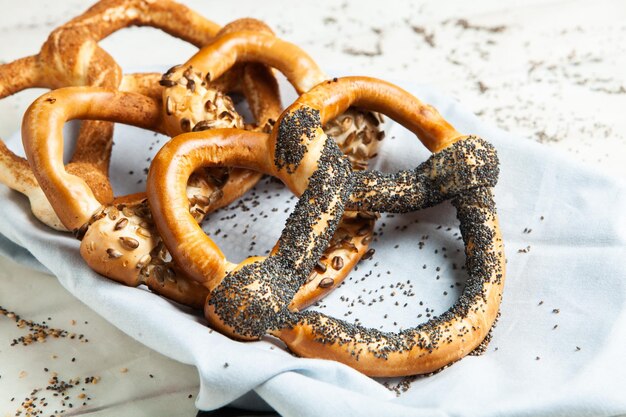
(431, 345)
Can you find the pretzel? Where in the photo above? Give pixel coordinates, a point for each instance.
(255, 297)
(71, 57)
(356, 132)
(194, 252)
(118, 239)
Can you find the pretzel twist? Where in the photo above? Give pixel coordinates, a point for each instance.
(255, 297)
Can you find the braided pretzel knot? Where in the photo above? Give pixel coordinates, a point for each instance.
(72, 57)
(255, 297)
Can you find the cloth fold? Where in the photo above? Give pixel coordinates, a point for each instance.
(559, 345)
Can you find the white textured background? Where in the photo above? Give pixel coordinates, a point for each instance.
(550, 71)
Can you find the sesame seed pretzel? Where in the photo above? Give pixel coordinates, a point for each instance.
(356, 132)
(71, 57)
(255, 297)
(118, 239)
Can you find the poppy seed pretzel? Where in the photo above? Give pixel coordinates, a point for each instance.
(118, 239)
(71, 57)
(462, 168)
(255, 297)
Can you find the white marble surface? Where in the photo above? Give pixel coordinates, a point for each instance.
(550, 71)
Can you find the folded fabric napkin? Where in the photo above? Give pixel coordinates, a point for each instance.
(559, 347)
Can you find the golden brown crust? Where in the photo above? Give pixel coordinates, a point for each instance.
(197, 254)
(226, 50)
(245, 23)
(19, 75)
(334, 97)
(255, 81)
(192, 104)
(260, 88)
(146, 84)
(21, 178)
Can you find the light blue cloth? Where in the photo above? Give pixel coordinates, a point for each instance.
(570, 274)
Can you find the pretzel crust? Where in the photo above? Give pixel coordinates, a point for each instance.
(214, 59)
